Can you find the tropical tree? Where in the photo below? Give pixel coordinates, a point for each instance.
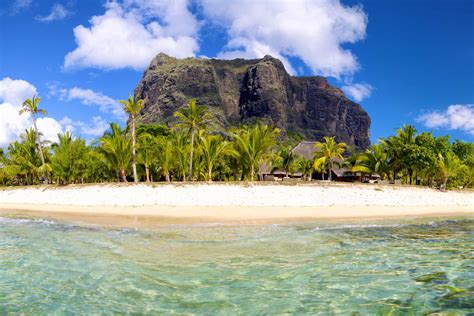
(212, 148)
(192, 118)
(306, 167)
(31, 106)
(253, 146)
(148, 153)
(68, 162)
(117, 148)
(286, 160)
(166, 147)
(181, 151)
(327, 153)
(448, 165)
(132, 107)
(374, 160)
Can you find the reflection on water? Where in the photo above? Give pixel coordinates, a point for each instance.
(419, 267)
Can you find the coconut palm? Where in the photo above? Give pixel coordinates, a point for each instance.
(166, 147)
(132, 107)
(286, 160)
(148, 153)
(68, 161)
(374, 160)
(31, 106)
(328, 152)
(181, 153)
(116, 145)
(305, 166)
(448, 165)
(193, 118)
(212, 148)
(253, 146)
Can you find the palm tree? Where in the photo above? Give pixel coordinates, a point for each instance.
(374, 160)
(193, 118)
(181, 152)
(448, 165)
(328, 152)
(212, 147)
(31, 106)
(132, 107)
(148, 152)
(306, 167)
(165, 160)
(253, 146)
(116, 146)
(286, 160)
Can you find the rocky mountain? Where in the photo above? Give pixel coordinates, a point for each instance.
(244, 91)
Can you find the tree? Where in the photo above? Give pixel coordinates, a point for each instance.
(148, 152)
(253, 146)
(132, 107)
(181, 151)
(306, 167)
(166, 148)
(31, 106)
(448, 165)
(68, 162)
(116, 146)
(193, 118)
(213, 148)
(327, 153)
(374, 160)
(286, 160)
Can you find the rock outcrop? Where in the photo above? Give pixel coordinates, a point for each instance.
(245, 91)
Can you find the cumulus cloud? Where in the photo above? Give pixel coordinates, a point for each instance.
(313, 31)
(130, 33)
(358, 91)
(12, 124)
(57, 12)
(88, 97)
(456, 117)
(95, 128)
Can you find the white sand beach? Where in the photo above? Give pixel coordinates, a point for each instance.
(242, 203)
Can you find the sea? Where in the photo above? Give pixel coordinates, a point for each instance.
(416, 266)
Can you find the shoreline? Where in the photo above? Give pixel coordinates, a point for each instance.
(153, 216)
(144, 205)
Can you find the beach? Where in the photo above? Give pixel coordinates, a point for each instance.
(158, 204)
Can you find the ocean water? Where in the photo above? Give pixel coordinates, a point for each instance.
(413, 267)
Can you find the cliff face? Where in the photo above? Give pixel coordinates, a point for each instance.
(244, 91)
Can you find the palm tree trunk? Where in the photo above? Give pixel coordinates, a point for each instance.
(191, 156)
(167, 176)
(252, 174)
(122, 175)
(39, 143)
(147, 171)
(134, 155)
(209, 174)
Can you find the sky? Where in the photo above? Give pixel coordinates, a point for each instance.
(404, 61)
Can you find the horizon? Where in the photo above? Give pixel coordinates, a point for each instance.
(363, 49)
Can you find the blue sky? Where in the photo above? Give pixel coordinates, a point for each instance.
(403, 61)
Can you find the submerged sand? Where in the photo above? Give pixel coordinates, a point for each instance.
(150, 205)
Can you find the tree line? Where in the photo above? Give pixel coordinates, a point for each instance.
(191, 150)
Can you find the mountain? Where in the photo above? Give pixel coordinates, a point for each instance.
(243, 91)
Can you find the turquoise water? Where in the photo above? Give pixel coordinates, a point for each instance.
(417, 267)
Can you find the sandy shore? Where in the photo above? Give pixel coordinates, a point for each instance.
(149, 205)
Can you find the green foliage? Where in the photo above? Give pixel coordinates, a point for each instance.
(253, 146)
(327, 153)
(190, 149)
(69, 160)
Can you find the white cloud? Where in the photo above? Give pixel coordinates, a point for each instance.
(358, 91)
(16, 91)
(95, 128)
(88, 97)
(457, 116)
(313, 31)
(57, 12)
(12, 124)
(131, 33)
(19, 5)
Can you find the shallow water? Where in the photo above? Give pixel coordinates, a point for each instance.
(418, 267)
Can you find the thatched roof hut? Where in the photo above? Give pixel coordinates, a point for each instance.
(305, 149)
